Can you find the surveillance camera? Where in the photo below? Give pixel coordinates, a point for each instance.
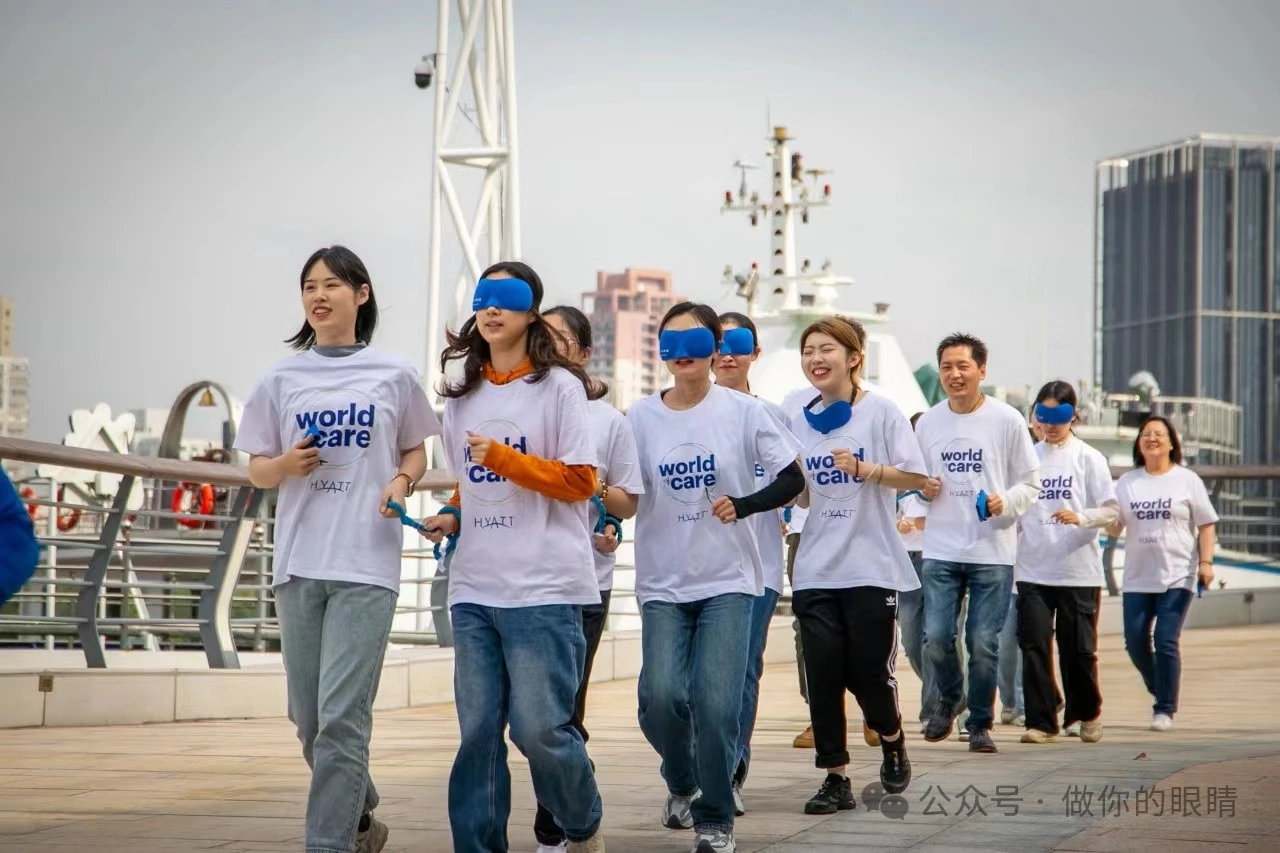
(424, 72)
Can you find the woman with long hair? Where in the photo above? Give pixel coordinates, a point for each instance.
(1059, 573)
(1167, 553)
(362, 415)
(698, 571)
(859, 450)
(517, 432)
(620, 484)
(739, 349)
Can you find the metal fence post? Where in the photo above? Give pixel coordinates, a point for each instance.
(96, 572)
(224, 572)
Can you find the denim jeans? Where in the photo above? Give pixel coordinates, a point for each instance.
(1162, 671)
(520, 665)
(1010, 681)
(945, 583)
(911, 618)
(691, 678)
(333, 637)
(761, 613)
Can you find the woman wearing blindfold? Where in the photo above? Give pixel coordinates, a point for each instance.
(859, 450)
(516, 430)
(698, 571)
(739, 350)
(1059, 573)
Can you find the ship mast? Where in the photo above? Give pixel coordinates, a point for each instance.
(790, 194)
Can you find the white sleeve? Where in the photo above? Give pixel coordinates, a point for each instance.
(573, 442)
(259, 431)
(417, 420)
(1202, 511)
(773, 444)
(1024, 473)
(623, 459)
(904, 450)
(1102, 494)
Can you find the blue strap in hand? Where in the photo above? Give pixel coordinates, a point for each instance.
(605, 520)
(983, 512)
(405, 519)
(450, 541)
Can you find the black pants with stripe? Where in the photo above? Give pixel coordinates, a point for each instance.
(1071, 612)
(850, 641)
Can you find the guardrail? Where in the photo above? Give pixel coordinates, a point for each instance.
(114, 544)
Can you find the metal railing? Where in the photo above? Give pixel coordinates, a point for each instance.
(123, 561)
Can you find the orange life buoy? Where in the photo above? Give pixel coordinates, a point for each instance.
(201, 498)
(68, 517)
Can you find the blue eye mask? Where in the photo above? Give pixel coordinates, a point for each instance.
(981, 505)
(738, 342)
(691, 343)
(831, 418)
(510, 294)
(1063, 413)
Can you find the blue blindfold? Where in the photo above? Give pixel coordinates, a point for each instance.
(829, 419)
(698, 342)
(1063, 413)
(738, 342)
(510, 294)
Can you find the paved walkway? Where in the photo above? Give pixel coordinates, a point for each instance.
(240, 786)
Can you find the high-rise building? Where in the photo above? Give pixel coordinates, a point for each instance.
(1187, 279)
(15, 405)
(625, 310)
(6, 326)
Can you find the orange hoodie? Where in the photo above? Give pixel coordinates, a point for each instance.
(549, 477)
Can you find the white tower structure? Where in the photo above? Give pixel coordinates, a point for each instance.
(787, 299)
(475, 132)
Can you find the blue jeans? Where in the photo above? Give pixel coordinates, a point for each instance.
(761, 613)
(520, 665)
(333, 637)
(1161, 671)
(945, 584)
(1011, 661)
(911, 617)
(696, 650)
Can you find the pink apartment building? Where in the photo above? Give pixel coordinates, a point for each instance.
(625, 310)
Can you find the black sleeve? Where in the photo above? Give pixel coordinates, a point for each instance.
(776, 495)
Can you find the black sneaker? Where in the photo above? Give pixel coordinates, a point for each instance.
(895, 767)
(836, 794)
(940, 723)
(980, 741)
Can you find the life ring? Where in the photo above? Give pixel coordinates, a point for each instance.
(201, 503)
(68, 517)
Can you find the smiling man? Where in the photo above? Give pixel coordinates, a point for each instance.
(983, 475)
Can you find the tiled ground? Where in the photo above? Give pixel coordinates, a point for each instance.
(240, 786)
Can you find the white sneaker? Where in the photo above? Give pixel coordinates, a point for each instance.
(714, 841)
(558, 848)
(738, 808)
(1161, 723)
(1072, 730)
(1008, 716)
(678, 813)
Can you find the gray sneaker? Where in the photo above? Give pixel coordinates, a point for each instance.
(739, 809)
(678, 813)
(373, 839)
(713, 841)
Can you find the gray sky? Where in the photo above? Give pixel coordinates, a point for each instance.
(165, 167)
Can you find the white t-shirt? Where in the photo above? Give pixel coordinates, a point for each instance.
(369, 407)
(987, 450)
(617, 465)
(851, 536)
(1162, 515)
(792, 405)
(768, 525)
(1073, 476)
(913, 507)
(519, 548)
(688, 459)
